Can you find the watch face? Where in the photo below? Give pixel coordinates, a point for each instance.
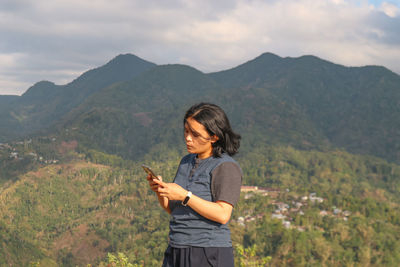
(186, 200)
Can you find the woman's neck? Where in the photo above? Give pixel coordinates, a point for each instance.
(204, 155)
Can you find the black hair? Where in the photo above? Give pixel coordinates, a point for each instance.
(214, 119)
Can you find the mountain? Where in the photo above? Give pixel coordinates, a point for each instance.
(130, 106)
(7, 99)
(355, 108)
(304, 102)
(45, 103)
(8, 124)
(130, 118)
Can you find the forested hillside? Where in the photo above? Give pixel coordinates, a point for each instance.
(320, 153)
(310, 208)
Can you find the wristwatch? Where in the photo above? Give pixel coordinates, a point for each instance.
(186, 200)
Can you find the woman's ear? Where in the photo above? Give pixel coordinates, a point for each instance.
(214, 138)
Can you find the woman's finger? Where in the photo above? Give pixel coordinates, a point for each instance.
(163, 194)
(159, 182)
(161, 189)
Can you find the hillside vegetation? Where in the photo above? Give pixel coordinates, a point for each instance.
(90, 204)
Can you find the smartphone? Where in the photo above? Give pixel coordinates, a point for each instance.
(148, 170)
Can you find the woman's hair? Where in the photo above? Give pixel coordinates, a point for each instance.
(214, 119)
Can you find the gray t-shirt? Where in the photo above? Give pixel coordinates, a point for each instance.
(226, 180)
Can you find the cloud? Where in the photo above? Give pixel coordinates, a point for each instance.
(390, 9)
(58, 40)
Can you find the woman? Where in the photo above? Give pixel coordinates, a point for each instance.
(205, 190)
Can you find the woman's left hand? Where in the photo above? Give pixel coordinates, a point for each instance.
(171, 191)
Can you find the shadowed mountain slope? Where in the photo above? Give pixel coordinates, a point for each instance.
(129, 105)
(45, 103)
(355, 108)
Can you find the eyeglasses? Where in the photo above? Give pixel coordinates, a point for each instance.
(195, 134)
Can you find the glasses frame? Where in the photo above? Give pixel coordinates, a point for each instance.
(195, 135)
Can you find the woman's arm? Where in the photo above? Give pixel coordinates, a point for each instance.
(164, 202)
(219, 211)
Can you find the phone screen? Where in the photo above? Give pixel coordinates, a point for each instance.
(148, 170)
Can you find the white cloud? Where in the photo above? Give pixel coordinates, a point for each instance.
(390, 9)
(58, 40)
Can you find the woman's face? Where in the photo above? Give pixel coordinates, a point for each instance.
(198, 141)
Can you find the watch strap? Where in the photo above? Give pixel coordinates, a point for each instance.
(186, 200)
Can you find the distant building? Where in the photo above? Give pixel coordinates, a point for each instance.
(248, 188)
(265, 191)
(337, 211)
(282, 206)
(346, 213)
(298, 204)
(268, 191)
(300, 229)
(34, 155)
(4, 145)
(278, 216)
(323, 213)
(286, 224)
(249, 195)
(317, 199)
(313, 198)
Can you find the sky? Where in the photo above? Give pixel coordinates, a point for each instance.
(58, 40)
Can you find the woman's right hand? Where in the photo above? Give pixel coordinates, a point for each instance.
(154, 186)
(164, 202)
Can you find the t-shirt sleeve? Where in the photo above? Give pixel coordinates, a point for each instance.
(226, 183)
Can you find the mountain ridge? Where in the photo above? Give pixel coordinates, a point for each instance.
(44, 103)
(306, 102)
